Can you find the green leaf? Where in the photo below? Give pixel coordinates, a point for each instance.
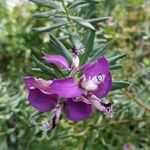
(34, 116)
(49, 28)
(116, 66)
(61, 49)
(57, 70)
(73, 36)
(47, 3)
(86, 37)
(76, 3)
(40, 74)
(43, 67)
(99, 51)
(83, 22)
(119, 85)
(45, 14)
(80, 2)
(88, 47)
(96, 20)
(112, 60)
(63, 37)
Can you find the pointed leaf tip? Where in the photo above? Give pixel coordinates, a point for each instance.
(119, 85)
(113, 59)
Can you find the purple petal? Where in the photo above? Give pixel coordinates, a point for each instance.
(29, 82)
(98, 104)
(43, 85)
(85, 66)
(100, 66)
(104, 88)
(41, 101)
(77, 111)
(67, 87)
(57, 60)
(106, 108)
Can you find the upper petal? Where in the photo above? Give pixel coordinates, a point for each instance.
(41, 101)
(66, 87)
(57, 60)
(33, 82)
(85, 66)
(100, 66)
(77, 111)
(104, 88)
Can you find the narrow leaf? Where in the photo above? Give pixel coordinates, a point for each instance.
(86, 37)
(43, 67)
(96, 20)
(57, 70)
(119, 85)
(47, 3)
(83, 22)
(40, 74)
(45, 14)
(117, 66)
(77, 3)
(112, 60)
(49, 28)
(73, 36)
(36, 69)
(80, 2)
(99, 51)
(88, 47)
(63, 37)
(61, 49)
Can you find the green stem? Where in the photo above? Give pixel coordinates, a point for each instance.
(146, 108)
(68, 16)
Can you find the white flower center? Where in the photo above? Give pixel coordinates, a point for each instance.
(92, 84)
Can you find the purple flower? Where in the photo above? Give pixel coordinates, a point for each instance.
(110, 22)
(127, 147)
(78, 48)
(74, 95)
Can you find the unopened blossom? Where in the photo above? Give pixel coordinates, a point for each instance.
(127, 147)
(75, 96)
(110, 22)
(78, 48)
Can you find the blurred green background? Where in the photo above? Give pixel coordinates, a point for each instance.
(130, 124)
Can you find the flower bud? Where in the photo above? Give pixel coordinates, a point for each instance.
(78, 48)
(75, 62)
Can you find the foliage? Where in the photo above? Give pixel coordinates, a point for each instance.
(130, 35)
(16, 38)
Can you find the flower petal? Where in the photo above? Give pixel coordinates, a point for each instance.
(77, 111)
(104, 88)
(41, 101)
(29, 82)
(33, 82)
(57, 60)
(106, 108)
(66, 87)
(100, 66)
(85, 66)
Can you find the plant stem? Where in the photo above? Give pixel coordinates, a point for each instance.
(104, 124)
(121, 122)
(68, 16)
(136, 100)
